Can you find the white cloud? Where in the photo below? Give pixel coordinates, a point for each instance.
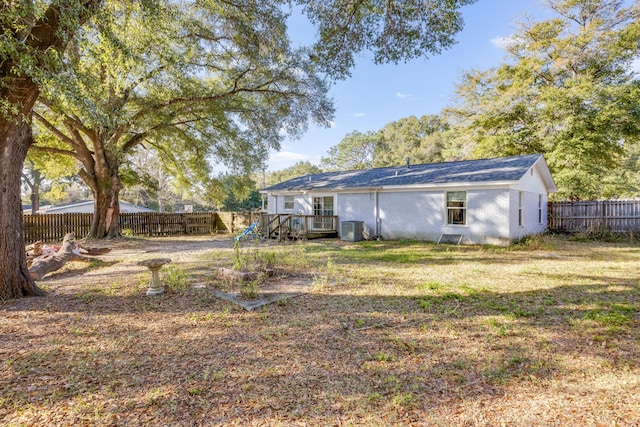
(287, 157)
(403, 95)
(503, 42)
(358, 114)
(635, 66)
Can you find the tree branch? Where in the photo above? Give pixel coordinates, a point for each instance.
(54, 130)
(54, 150)
(205, 99)
(73, 121)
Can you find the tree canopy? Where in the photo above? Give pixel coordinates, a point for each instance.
(420, 140)
(298, 169)
(416, 139)
(567, 90)
(201, 85)
(201, 82)
(357, 150)
(392, 30)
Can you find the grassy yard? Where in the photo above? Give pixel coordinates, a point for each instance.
(393, 333)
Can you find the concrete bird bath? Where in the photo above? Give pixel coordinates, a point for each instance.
(154, 265)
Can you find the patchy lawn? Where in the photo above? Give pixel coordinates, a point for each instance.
(392, 333)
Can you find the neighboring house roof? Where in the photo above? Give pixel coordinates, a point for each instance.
(504, 169)
(87, 206)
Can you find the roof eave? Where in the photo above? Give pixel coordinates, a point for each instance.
(546, 175)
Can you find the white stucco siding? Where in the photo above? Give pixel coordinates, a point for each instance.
(487, 217)
(421, 215)
(272, 204)
(304, 204)
(532, 182)
(301, 204)
(358, 207)
(534, 191)
(411, 215)
(531, 223)
(492, 214)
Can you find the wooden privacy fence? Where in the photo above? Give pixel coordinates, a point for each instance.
(53, 227)
(613, 215)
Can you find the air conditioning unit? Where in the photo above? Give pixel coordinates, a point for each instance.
(351, 231)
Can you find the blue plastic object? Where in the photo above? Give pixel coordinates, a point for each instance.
(246, 231)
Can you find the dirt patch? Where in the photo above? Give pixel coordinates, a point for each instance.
(127, 253)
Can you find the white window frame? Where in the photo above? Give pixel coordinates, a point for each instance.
(521, 208)
(321, 212)
(289, 199)
(451, 207)
(320, 208)
(540, 209)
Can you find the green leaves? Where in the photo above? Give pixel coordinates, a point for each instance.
(566, 92)
(202, 82)
(419, 139)
(393, 31)
(355, 151)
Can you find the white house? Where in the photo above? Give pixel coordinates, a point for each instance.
(478, 201)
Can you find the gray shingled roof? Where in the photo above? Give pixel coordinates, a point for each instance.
(466, 171)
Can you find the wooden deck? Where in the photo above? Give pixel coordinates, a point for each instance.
(282, 226)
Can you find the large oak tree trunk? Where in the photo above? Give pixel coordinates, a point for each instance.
(105, 185)
(49, 32)
(15, 138)
(105, 214)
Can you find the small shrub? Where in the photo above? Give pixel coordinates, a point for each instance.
(175, 278)
(251, 289)
(240, 261)
(532, 242)
(266, 259)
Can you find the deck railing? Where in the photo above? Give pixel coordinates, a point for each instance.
(280, 225)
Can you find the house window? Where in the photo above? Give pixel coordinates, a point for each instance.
(288, 203)
(322, 208)
(457, 207)
(539, 208)
(520, 208)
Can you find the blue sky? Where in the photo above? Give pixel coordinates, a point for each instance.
(375, 95)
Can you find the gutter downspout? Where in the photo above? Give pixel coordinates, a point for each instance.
(377, 215)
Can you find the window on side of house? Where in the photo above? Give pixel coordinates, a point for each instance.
(457, 207)
(540, 208)
(520, 208)
(288, 203)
